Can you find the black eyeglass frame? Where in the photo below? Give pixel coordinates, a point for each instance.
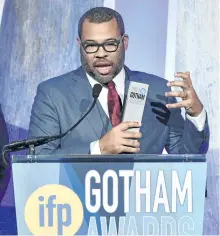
(117, 41)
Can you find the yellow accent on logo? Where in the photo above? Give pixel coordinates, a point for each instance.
(53, 210)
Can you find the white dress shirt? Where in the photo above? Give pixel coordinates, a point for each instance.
(119, 80)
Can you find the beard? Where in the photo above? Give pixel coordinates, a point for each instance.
(103, 78)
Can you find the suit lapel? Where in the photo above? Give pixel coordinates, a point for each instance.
(98, 123)
(127, 82)
(82, 91)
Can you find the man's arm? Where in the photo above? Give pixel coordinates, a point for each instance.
(184, 137)
(191, 136)
(44, 121)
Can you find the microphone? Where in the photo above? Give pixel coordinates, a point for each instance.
(37, 141)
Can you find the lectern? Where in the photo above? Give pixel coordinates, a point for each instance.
(109, 194)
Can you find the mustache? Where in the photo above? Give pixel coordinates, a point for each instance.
(102, 62)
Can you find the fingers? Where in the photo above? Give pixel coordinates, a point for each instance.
(120, 140)
(131, 143)
(131, 135)
(127, 145)
(185, 76)
(128, 124)
(186, 83)
(130, 149)
(181, 94)
(177, 83)
(179, 104)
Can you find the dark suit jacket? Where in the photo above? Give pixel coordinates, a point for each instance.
(60, 102)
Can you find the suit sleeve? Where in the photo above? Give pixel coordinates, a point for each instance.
(184, 137)
(44, 121)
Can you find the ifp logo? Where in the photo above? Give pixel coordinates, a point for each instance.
(53, 210)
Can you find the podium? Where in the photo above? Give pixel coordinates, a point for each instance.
(109, 194)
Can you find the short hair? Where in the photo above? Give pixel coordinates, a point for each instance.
(100, 15)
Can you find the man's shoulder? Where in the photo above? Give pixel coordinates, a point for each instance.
(57, 81)
(152, 80)
(62, 81)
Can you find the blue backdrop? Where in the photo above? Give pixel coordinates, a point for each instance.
(38, 41)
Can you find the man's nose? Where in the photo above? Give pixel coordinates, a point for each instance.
(101, 52)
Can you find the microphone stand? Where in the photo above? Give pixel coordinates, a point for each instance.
(31, 152)
(31, 149)
(32, 143)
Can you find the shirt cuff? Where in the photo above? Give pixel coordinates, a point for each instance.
(94, 148)
(198, 121)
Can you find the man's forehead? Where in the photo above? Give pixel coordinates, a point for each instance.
(100, 31)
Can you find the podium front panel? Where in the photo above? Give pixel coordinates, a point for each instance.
(142, 195)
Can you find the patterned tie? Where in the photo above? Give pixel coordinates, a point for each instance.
(114, 105)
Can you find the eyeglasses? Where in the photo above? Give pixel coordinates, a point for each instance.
(109, 46)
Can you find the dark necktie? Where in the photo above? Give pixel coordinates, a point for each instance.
(114, 105)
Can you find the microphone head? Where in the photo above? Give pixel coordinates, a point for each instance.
(96, 90)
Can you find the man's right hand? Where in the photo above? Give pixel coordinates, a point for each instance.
(120, 140)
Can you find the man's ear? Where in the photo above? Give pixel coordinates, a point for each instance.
(78, 41)
(125, 41)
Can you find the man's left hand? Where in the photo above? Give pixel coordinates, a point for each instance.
(190, 100)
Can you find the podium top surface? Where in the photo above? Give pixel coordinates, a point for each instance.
(107, 158)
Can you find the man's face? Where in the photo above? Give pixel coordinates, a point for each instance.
(103, 66)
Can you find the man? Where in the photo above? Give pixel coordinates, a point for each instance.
(60, 102)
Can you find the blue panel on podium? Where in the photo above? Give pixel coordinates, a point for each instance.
(110, 195)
